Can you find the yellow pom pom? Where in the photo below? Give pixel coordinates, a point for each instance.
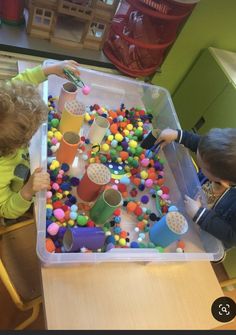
(66, 193)
(126, 132)
(105, 147)
(110, 138)
(58, 135)
(119, 137)
(129, 126)
(92, 160)
(140, 124)
(116, 237)
(71, 222)
(49, 206)
(133, 144)
(144, 175)
(55, 163)
(127, 168)
(122, 242)
(50, 134)
(87, 117)
(59, 195)
(119, 160)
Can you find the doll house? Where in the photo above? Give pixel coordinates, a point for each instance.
(71, 23)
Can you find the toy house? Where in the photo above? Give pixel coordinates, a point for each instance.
(71, 23)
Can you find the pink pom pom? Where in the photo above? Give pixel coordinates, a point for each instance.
(145, 162)
(115, 187)
(59, 213)
(53, 229)
(165, 196)
(86, 90)
(55, 186)
(149, 182)
(54, 140)
(49, 194)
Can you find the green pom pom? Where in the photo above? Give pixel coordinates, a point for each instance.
(81, 220)
(160, 249)
(55, 123)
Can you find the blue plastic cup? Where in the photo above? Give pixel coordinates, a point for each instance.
(168, 229)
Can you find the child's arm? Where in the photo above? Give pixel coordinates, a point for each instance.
(214, 224)
(40, 73)
(12, 204)
(15, 204)
(189, 140)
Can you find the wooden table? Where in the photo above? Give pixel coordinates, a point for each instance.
(130, 295)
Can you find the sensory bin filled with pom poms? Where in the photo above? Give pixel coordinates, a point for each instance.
(140, 180)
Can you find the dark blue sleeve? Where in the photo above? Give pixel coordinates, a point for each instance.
(190, 140)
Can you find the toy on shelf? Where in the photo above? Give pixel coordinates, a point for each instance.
(71, 23)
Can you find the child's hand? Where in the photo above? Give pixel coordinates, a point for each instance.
(38, 181)
(192, 206)
(167, 136)
(58, 67)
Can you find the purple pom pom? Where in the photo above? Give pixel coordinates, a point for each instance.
(74, 181)
(144, 199)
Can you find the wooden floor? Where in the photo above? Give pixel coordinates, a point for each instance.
(10, 316)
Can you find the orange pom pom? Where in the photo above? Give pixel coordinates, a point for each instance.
(124, 155)
(114, 128)
(181, 244)
(131, 206)
(50, 246)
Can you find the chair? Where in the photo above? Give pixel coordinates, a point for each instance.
(230, 267)
(19, 267)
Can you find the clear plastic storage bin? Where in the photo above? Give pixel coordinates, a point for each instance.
(180, 174)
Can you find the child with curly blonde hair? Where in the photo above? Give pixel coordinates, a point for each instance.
(22, 111)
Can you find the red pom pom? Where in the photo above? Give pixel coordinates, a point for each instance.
(164, 209)
(57, 204)
(138, 211)
(90, 224)
(122, 188)
(165, 189)
(117, 212)
(65, 208)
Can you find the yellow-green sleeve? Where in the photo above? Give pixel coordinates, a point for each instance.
(12, 205)
(32, 76)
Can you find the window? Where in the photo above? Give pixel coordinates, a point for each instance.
(42, 17)
(97, 30)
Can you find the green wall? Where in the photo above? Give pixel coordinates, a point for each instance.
(212, 23)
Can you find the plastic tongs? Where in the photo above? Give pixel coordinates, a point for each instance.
(153, 150)
(75, 79)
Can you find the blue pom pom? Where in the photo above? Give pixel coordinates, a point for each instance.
(117, 230)
(117, 219)
(87, 141)
(110, 239)
(48, 222)
(141, 187)
(104, 115)
(74, 181)
(48, 213)
(65, 187)
(134, 245)
(68, 203)
(90, 122)
(73, 199)
(65, 167)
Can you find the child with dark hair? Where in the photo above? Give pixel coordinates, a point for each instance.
(216, 157)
